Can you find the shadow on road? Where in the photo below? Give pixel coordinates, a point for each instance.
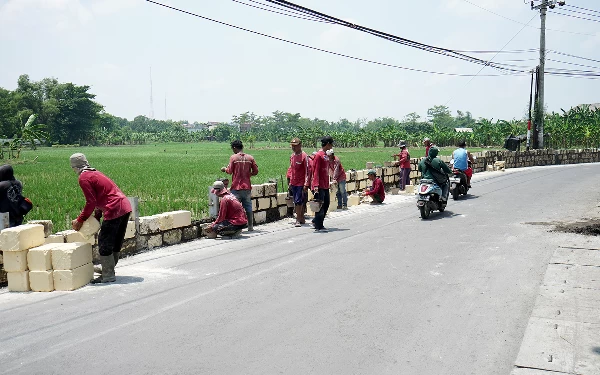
(466, 197)
(440, 215)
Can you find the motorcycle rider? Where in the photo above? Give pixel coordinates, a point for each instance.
(439, 165)
(462, 158)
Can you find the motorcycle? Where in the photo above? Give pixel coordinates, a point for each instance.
(430, 198)
(458, 184)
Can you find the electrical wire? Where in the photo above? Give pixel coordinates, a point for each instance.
(576, 7)
(321, 49)
(560, 13)
(287, 12)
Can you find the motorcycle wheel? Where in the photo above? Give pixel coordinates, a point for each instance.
(425, 211)
(455, 193)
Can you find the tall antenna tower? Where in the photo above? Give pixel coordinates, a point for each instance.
(151, 100)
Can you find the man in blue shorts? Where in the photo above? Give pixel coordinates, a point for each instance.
(298, 176)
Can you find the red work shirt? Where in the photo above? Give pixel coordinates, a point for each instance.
(241, 167)
(102, 193)
(337, 171)
(404, 159)
(377, 188)
(231, 209)
(320, 172)
(299, 170)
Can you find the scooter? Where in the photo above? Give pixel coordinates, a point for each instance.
(458, 184)
(430, 198)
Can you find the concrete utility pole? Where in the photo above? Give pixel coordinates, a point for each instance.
(543, 8)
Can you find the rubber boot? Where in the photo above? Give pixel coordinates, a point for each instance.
(250, 221)
(116, 255)
(108, 270)
(98, 268)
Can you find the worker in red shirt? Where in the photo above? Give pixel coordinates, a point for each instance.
(298, 176)
(428, 145)
(320, 182)
(338, 176)
(242, 166)
(232, 217)
(404, 160)
(105, 197)
(377, 191)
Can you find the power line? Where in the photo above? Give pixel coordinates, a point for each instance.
(573, 16)
(319, 49)
(287, 12)
(576, 7)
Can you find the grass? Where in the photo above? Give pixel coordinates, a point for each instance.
(165, 177)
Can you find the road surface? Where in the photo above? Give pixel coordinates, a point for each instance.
(383, 292)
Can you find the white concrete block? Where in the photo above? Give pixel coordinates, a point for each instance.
(274, 202)
(130, 231)
(15, 261)
(71, 255)
(74, 278)
(361, 175)
(149, 224)
(270, 189)
(181, 218)
(41, 281)
(264, 203)
(48, 226)
(281, 199)
(350, 186)
(22, 237)
(165, 222)
(260, 217)
(353, 200)
(254, 205)
(155, 241)
(89, 228)
(18, 281)
(55, 238)
(72, 236)
(283, 211)
(40, 258)
(258, 191)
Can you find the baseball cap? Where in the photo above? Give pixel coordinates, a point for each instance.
(372, 171)
(295, 142)
(218, 188)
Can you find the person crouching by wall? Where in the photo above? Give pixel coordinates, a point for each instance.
(104, 197)
(377, 191)
(232, 216)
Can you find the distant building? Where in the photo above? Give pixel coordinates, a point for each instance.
(463, 130)
(245, 127)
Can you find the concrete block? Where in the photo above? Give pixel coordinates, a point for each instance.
(190, 233)
(350, 186)
(40, 258)
(254, 205)
(181, 218)
(353, 200)
(172, 237)
(395, 190)
(90, 227)
(281, 199)
(203, 229)
(72, 236)
(130, 231)
(361, 175)
(15, 261)
(19, 281)
(274, 202)
(165, 222)
(283, 211)
(258, 191)
(22, 237)
(270, 189)
(48, 227)
(149, 224)
(362, 184)
(41, 281)
(153, 240)
(264, 203)
(71, 255)
(490, 168)
(409, 189)
(129, 247)
(74, 278)
(55, 238)
(260, 217)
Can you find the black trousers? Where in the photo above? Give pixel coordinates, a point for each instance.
(225, 227)
(322, 195)
(112, 234)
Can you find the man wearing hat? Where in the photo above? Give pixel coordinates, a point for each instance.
(338, 175)
(298, 176)
(105, 197)
(428, 144)
(404, 158)
(320, 182)
(377, 190)
(232, 217)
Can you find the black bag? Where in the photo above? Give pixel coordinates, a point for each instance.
(440, 177)
(25, 205)
(19, 204)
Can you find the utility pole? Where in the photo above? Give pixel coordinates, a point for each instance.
(543, 8)
(151, 99)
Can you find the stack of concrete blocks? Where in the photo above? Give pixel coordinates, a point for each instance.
(15, 244)
(72, 265)
(168, 228)
(267, 205)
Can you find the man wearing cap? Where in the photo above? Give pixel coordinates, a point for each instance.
(338, 175)
(438, 165)
(232, 217)
(241, 166)
(405, 168)
(320, 182)
(377, 190)
(105, 197)
(298, 176)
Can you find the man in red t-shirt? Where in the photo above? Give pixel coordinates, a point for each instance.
(404, 160)
(338, 176)
(377, 191)
(105, 197)
(320, 182)
(241, 167)
(298, 176)
(428, 145)
(232, 217)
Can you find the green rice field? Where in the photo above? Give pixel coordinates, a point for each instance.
(165, 177)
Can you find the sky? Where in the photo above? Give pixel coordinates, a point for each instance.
(209, 72)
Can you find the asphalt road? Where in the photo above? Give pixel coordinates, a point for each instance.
(383, 292)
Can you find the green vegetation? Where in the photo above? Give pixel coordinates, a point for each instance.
(165, 177)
